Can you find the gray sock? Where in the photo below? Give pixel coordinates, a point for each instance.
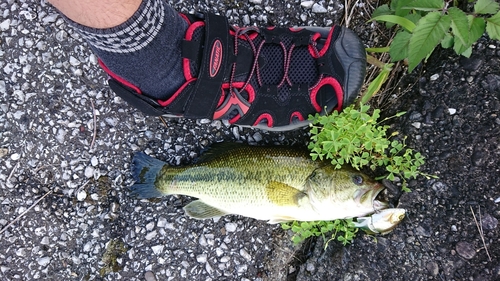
(145, 50)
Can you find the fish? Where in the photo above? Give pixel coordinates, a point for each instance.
(381, 222)
(271, 183)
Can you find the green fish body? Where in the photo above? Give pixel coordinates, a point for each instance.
(268, 183)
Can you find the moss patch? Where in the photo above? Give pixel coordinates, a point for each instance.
(114, 250)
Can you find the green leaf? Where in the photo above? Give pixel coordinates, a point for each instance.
(377, 50)
(461, 49)
(476, 28)
(425, 5)
(493, 26)
(483, 7)
(459, 25)
(376, 84)
(430, 30)
(382, 10)
(397, 7)
(399, 46)
(405, 23)
(413, 17)
(447, 41)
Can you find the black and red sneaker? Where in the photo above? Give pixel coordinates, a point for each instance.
(268, 78)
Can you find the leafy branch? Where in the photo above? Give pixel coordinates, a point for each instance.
(427, 23)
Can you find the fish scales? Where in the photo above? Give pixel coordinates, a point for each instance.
(239, 174)
(269, 183)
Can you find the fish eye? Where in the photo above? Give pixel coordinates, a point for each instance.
(357, 179)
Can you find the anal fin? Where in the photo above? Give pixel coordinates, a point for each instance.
(199, 210)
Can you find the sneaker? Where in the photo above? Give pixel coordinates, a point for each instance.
(268, 78)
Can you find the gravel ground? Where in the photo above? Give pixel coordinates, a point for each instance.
(66, 143)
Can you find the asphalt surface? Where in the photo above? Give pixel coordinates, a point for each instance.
(66, 143)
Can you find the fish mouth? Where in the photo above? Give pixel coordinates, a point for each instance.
(380, 200)
(373, 197)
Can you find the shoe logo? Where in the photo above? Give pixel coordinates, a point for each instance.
(215, 58)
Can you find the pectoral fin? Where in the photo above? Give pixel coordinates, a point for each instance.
(199, 210)
(282, 194)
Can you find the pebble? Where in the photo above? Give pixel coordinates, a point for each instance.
(81, 195)
(5, 25)
(89, 171)
(45, 241)
(202, 241)
(236, 132)
(307, 4)
(310, 267)
(201, 258)
(465, 250)
(93, 59)
(94, 161)
(43, 261)
(151, 235)
(61, 35)
(318, 9)
(241, 268)
(416, 125)
(19, 96)
(50, 18)
(257, 137)
(433, 268)
(150, 226)
(157, 249)
(3, 88)
(452, 111)
(439, 187)
(162, 222)
(489, 222)
(434, 77)
(245, 255)
(149, 276)
(246, 20)
(231, 227)
(15, 156)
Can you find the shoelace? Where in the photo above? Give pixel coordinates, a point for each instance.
(255, 64)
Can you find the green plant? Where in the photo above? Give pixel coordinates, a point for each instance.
(427, 23)
(357, 138)
(343, 230)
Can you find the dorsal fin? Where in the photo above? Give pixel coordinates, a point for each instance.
(215, 150)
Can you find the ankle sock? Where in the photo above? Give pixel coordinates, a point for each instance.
(145, 50)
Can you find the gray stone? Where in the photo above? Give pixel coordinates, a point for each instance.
(201, 258)
(319, 9)
(465, 250)
(231, 227)
(149, 276)
(43, 261)
(489, 222)
(433, 268)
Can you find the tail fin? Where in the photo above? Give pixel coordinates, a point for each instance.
(144, 171)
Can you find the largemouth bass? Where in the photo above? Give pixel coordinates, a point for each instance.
(276, 184)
